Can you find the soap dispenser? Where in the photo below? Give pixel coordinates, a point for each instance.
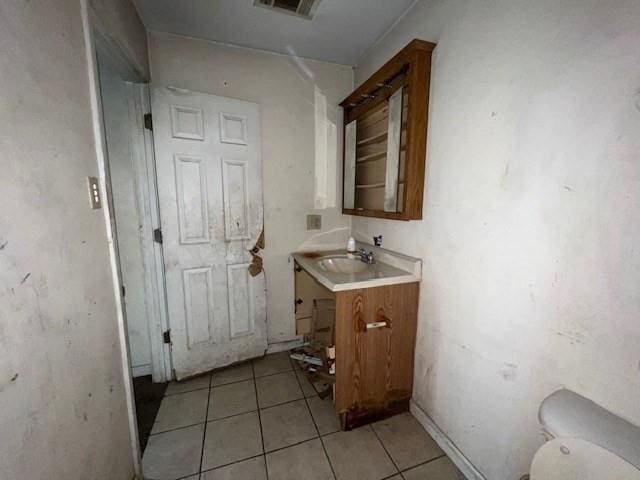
(351, 245)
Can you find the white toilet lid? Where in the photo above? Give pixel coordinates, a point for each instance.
(576, 459)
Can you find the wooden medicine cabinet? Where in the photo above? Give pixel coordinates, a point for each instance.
(385, 138)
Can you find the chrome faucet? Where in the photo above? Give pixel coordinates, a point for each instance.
(367, 257)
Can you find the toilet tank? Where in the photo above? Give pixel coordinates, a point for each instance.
(566, 414)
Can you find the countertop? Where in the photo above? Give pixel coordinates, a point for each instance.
(390, 268)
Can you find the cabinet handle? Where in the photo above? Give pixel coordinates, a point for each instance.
(382, 321)
(376, 325)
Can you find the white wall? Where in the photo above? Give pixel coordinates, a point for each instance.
(62, 401)
(286, 91)
(532, 216)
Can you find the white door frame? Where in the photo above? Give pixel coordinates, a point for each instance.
(95, 37)
(143, 163)
(147, 190)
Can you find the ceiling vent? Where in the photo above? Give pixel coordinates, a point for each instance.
(299, 8)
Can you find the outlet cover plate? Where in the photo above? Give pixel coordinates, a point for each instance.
(94, 193)
(314, 222)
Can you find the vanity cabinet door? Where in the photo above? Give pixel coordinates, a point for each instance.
(375, 340)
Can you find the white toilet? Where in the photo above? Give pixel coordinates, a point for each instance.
(586, 442)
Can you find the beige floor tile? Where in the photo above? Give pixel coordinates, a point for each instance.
(440, 469)
(272, 363)
(305, 461)
(235, 373)
(232, 399)
(173, 454)
(197, 383)
(232, 439)
(358, 455)
(406, 441)
(181, 410)
(286, 424)
(252, 469)
(276, 389)
(324, 415)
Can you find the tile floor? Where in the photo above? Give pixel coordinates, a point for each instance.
(263, 421)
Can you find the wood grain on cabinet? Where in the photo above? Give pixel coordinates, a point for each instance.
(374, 368)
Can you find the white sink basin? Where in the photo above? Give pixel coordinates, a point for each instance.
(338, 271)
(341, 264)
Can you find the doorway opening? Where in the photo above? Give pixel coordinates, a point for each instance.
(132, 203)
(184, 211)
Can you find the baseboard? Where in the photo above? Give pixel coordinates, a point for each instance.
(140, 371)
(282, 346)
(446, 444)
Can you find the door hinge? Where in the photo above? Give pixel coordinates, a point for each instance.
(123, 291)
(166, 336)
(157, 235)
(148, 121)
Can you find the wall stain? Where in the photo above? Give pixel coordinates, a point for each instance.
(24, 279)
(505, 174)
(574, 337)
(3, 385)
(568, 188)
(509, 372)
(4, 245)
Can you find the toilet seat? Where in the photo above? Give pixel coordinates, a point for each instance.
(576, 459)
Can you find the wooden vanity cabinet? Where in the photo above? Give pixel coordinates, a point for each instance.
(374, 366)
(375, 334)
(385, 138)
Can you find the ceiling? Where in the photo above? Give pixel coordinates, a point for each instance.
(340, 32)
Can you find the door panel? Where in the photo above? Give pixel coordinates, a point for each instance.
(192, 205)
(198, 299)
(210, 189)
(240, 298)
(236, 199)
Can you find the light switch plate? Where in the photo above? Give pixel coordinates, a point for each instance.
(94, 193)
(314, 222)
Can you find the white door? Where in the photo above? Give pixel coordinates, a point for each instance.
(209, 172)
